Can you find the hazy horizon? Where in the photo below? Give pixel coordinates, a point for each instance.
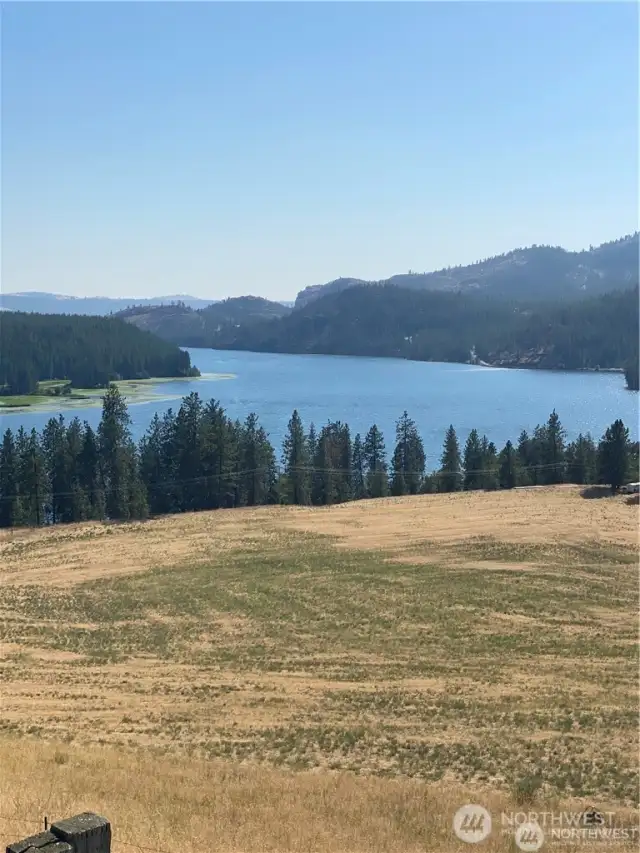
(167, 294)
(217, 150)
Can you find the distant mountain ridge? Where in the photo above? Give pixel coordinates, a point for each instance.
(533, 273)
(40, 302)
(537, 272)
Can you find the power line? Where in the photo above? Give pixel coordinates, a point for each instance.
(278, 470)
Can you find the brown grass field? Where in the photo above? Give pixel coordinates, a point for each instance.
(336, 679)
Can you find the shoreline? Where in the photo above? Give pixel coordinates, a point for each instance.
(135, 391)
(478, 363)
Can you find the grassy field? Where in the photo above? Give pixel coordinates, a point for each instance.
(135, 391)
(323, 679)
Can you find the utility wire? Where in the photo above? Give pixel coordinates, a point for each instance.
(308, 469)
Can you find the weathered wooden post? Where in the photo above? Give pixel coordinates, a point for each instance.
(84, 833)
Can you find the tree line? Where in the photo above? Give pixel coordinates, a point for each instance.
(88, 351)
(198, 458)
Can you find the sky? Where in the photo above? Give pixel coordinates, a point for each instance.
(220, 149)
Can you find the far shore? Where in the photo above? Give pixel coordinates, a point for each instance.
(135, 391)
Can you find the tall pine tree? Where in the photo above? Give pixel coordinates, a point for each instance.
(408, 462)
(613, 453)
(296, 462)
(581, 460)
(9, 474)
(473, 461)
(358, 485)
(508, 467)
(124, 492)
(377, 484)
(450, 474)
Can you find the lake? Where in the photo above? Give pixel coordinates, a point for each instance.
(363, 391)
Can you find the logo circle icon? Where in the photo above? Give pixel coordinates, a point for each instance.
(472, 823)
(529, 837)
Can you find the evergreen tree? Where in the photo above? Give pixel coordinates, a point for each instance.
(581, 460)
(408, 462)
(124, 492)
(332, 465)
(553, 451)
(257, 464)
(31, 479)
(323, 480)
(524, 454)
(490, 475)
(167, 488)
(190, 487)
(538, 456)
(313, 454)
(358, 486)
(153, 472)
(79, 501)
(220, 452)
(296, 463)
(473, 461)
(312, 441)
(450, 474)
(54, 446)
(377, 484)
(9, 508)
(89, 474)
(342, 458)
(613, 452)
(507, 462)
(268, 485)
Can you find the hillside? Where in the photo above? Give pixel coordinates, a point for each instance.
(538, 272)
(385, 320)
(185, 326)
(327, 679)
(87, 351)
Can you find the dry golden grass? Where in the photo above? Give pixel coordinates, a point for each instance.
(170, 804)
(483, 644)
(535, 514)
(82, 552)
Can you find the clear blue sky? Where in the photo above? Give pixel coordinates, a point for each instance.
(229, 148)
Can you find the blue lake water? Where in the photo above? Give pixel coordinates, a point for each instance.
(363, 391)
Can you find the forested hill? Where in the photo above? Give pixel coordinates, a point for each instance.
(181, 325)
(385, 320)
(537, 272)
(89, 351)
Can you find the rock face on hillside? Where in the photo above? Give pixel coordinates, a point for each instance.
(532, 273)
